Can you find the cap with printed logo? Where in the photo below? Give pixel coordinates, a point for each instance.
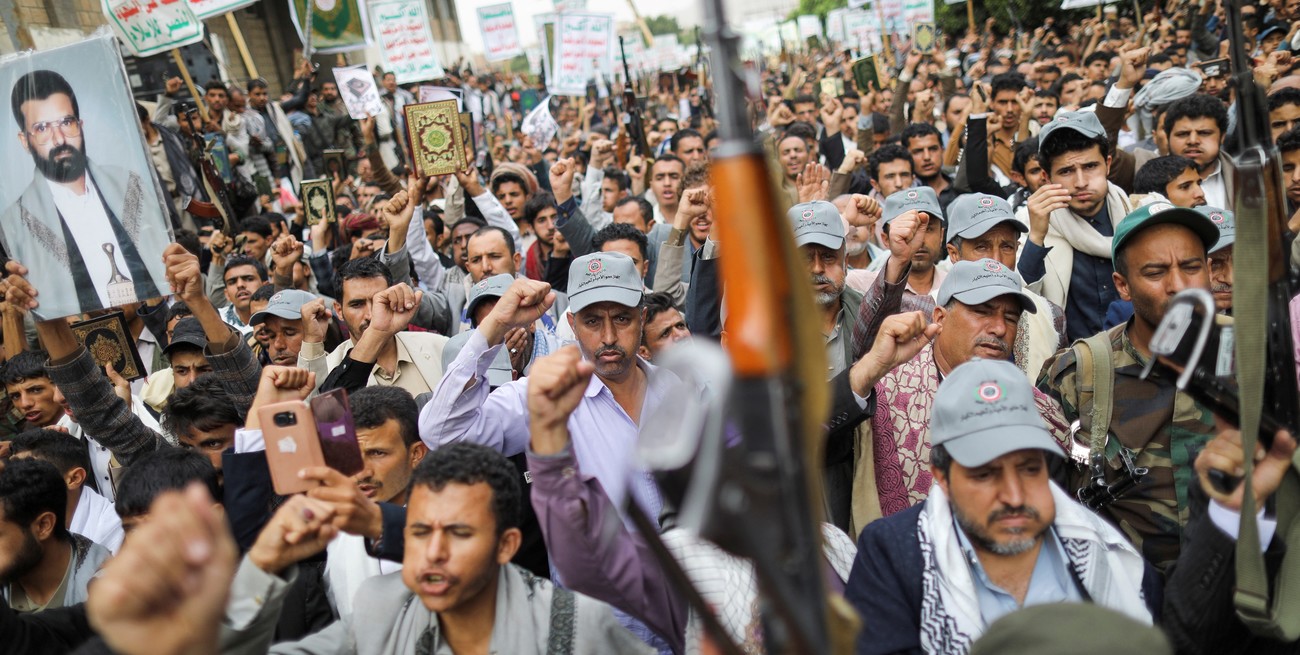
(921, 198)
(977, 282)
(489, 288)
(284, 304)
(973, 214)
(1227, 224)
(817, 222)
(604, 277)
(1083, 122)
(985, 409)
(1158, 213)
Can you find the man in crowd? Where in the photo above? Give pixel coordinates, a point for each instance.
(1177, 179)
(42, 565)
(1158, 250)
(994, 535)
(88, 513)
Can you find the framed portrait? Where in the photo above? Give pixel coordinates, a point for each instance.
(80, 205)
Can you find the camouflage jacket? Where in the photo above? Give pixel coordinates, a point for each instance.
(1163, 427)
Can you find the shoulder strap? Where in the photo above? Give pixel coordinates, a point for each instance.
(1091, 355)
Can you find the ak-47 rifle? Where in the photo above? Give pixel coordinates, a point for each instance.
(632, 122)
(1266, 373)
(768, 510)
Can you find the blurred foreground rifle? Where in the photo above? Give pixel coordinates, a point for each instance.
(632, 121)
(1266, 373)
(760, 499)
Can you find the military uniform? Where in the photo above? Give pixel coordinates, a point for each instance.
(1163, 427)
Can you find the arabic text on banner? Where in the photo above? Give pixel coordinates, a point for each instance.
(583, 45)
(149, 27)
(500, 34)
(402, 29)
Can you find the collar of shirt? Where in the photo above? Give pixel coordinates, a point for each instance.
(939, 275)
(63, 194)
(654, 387)
(403, 355)
(1050, 581)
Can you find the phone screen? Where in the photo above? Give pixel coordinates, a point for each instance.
(337, 431)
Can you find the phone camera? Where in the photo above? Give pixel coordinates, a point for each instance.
(285, 419)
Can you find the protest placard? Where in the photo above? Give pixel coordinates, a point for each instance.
(148, 27)
(583, 46)
(500, 34)
(360, 95)
(213, 8)
(405, 41)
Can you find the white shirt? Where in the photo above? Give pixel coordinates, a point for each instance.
(88, 223)
(146, 345)
(100, 458)
(1216, 193)
(96, 519)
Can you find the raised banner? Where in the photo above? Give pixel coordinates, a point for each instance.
(539, 125)
(584, 44)
(213, 8)
(862, 29)
(809, 27)
(337, 25)
(500, 33)
(405, 41)
(358, 90)
(918, 11)
(150, 27)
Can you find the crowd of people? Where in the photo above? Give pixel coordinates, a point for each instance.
(992, 236)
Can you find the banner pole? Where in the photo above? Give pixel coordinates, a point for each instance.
(189, 83)
(243, 47)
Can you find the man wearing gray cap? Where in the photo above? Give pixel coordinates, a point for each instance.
(1221, 256)
(985, 226)
(281, 325)
(909, 279)
(994, 535)
(606, 314)
(981, 304)
(819, 233)
(1066, 258)
(523, 345)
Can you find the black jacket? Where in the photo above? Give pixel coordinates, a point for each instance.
(1199, 616)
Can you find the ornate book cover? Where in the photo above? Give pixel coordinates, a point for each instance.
(434, 132)
(109, 342)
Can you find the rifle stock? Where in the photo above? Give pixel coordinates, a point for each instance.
(634, 125)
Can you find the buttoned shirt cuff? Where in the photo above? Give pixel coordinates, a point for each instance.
(249, 440)
(676, 237)
(1229, 522)
(1117, 97)
(862, 402)
(565, 211)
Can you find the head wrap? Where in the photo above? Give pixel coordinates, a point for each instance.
(1168, 86)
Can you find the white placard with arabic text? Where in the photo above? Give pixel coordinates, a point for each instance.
(583, 45)
(401, 27)
(150, 27)
(500, 33)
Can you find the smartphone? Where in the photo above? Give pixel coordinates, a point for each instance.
(291, 444)
(337, 432)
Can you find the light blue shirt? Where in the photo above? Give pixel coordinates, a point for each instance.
(1051, 581)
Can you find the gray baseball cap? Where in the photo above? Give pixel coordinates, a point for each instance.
(921, 198)
(1083, 122)
(985, 409)
(489, 288)
(1225, 221)
(188, 331)
(977, 282)
(973, 214)
(817, 222)
(499, 371)
(604, 277)
(284, 304)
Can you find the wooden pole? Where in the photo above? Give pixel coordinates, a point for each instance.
(189, 83)
(645, 29)
(970, 16)
(243, 47)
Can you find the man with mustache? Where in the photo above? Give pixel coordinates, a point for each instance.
(994, 535)
(979, 312)
(281, 324)
(1158, 251)
(77, 226)
(606, 312)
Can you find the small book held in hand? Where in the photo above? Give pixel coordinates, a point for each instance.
(437, 141)
(109, 342)
(318, 201)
